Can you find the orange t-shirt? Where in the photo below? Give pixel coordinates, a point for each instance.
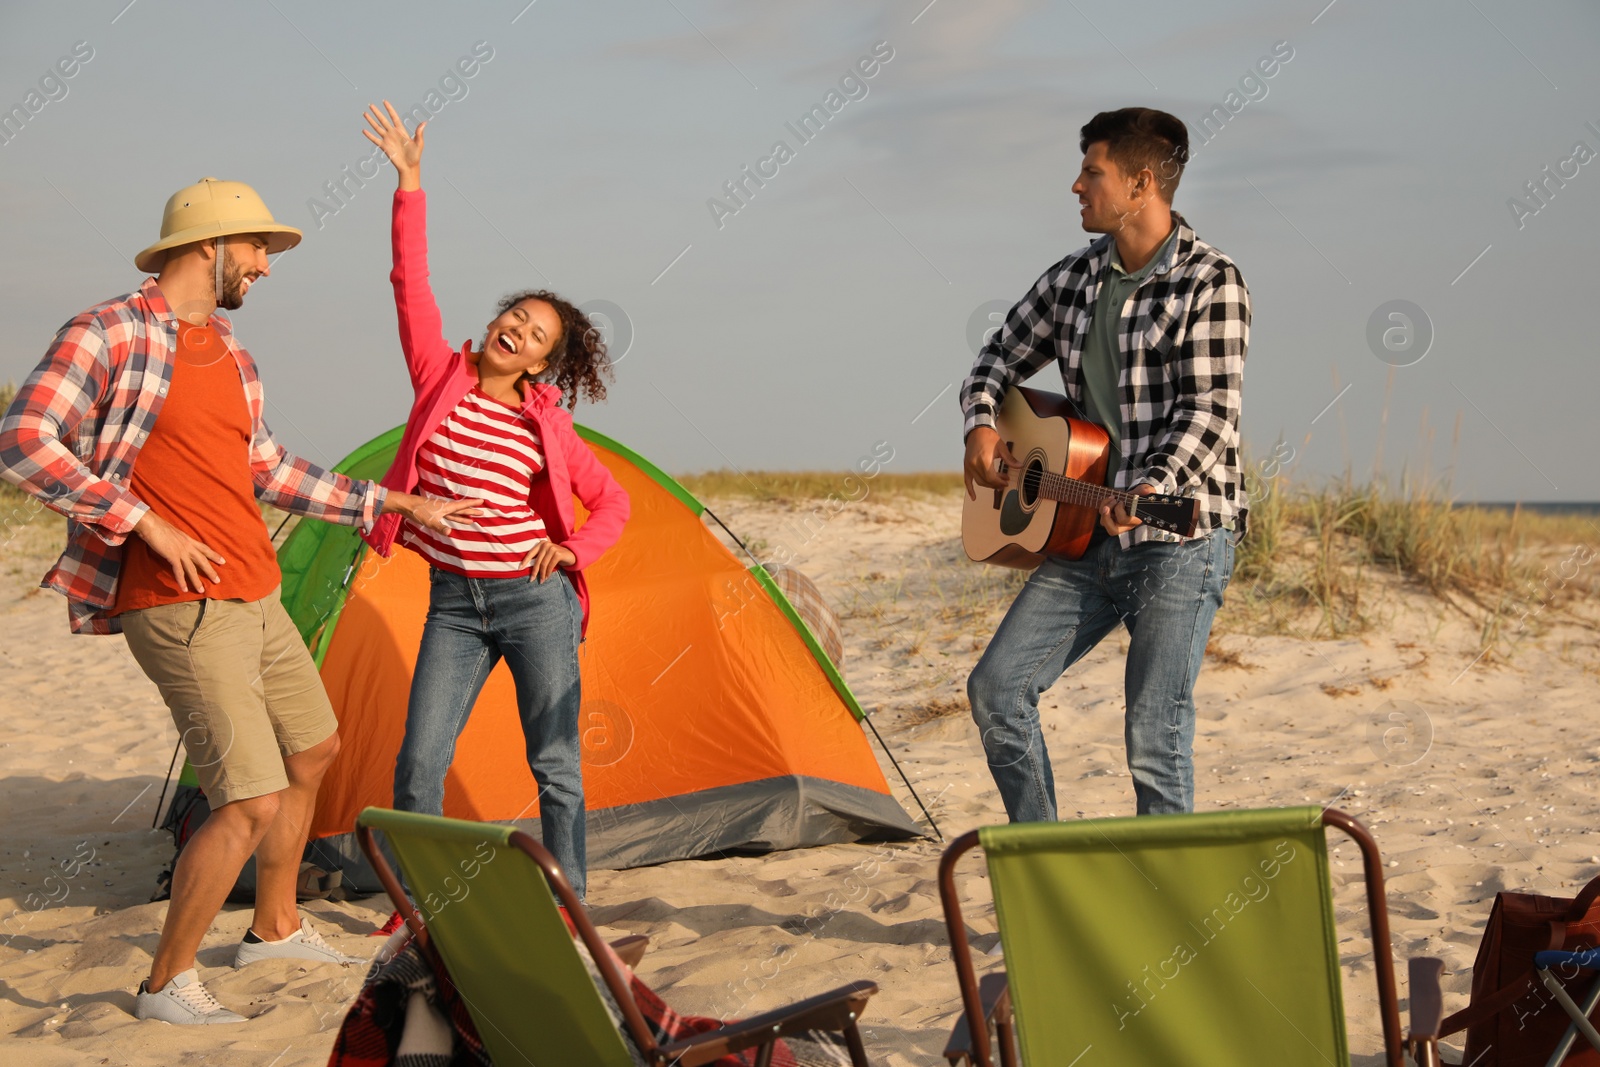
(194, 471)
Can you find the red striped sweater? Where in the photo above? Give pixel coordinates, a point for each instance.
(485, 450)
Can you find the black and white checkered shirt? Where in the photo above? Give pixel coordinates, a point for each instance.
(1183, 336)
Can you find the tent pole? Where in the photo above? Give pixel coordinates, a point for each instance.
(884, 745)
(730, 533)
(173, 762)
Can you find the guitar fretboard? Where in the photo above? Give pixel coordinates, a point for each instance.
(1068, 490)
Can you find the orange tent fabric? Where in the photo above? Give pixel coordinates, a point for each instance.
(709, 721)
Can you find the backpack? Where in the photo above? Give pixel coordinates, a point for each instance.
(1512, 1019)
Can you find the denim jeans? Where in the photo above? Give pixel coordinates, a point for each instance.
(535, 626)
(1167, 595)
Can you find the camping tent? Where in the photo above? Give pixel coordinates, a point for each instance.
(711, 719)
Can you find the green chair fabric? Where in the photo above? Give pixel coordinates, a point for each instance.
(1186, 939)
(509, 953)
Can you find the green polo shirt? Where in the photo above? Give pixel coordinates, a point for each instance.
(1101, 365)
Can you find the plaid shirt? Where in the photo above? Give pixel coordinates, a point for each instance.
(1182, 336)
(74, 431)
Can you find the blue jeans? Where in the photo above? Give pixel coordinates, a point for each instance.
(1166, 594)
(535, 626)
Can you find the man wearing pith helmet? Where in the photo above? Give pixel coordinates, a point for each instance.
(143, 425)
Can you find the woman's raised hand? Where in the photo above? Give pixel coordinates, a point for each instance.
(404, 150)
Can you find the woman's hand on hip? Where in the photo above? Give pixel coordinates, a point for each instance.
(545, 558)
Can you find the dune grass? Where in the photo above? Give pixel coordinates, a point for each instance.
(10, 496)
(1315, 547)
(812, 485)
(1318, 555)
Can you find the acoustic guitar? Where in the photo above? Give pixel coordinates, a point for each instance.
(1052, 504)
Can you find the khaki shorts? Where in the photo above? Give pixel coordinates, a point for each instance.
(241, 687)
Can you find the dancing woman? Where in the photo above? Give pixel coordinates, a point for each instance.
(506, 581)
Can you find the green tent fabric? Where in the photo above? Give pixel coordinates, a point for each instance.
(318, 558)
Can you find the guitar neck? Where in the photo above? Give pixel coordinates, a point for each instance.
(1070, 490)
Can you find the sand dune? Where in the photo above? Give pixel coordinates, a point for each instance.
(1496, 788)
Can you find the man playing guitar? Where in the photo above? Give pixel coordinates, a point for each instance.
(1149, 326)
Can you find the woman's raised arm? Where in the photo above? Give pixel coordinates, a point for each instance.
(422, 339)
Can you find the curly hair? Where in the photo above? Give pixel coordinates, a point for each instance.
(578, 365)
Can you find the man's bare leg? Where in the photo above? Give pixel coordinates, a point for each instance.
(204, 876)
(280, 851)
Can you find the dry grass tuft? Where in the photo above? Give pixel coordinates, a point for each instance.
(1227, 658)
(937, 708)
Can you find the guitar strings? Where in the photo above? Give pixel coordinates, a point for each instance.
(1059, 487)
(1071, 490)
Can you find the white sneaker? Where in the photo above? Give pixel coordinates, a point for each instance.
(184, 1001)
(304, 944)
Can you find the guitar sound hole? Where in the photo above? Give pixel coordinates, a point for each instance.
(1030, 480)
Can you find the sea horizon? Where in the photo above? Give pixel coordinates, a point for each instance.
(1543, 507)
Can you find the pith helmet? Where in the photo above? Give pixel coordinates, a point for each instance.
(212, 208)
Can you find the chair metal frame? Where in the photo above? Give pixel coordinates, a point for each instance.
(835, 1010)
(988, 1002)
(1544, 966)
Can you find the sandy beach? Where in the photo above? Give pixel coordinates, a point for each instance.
(1489, 784)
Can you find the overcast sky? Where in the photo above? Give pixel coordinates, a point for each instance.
(834, 309)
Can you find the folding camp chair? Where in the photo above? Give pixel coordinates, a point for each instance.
(489, 917)
(1545, 964)
(1192, 940)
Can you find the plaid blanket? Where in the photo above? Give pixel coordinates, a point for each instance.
(408, 1016)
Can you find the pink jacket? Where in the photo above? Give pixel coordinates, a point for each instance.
(441, 376)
